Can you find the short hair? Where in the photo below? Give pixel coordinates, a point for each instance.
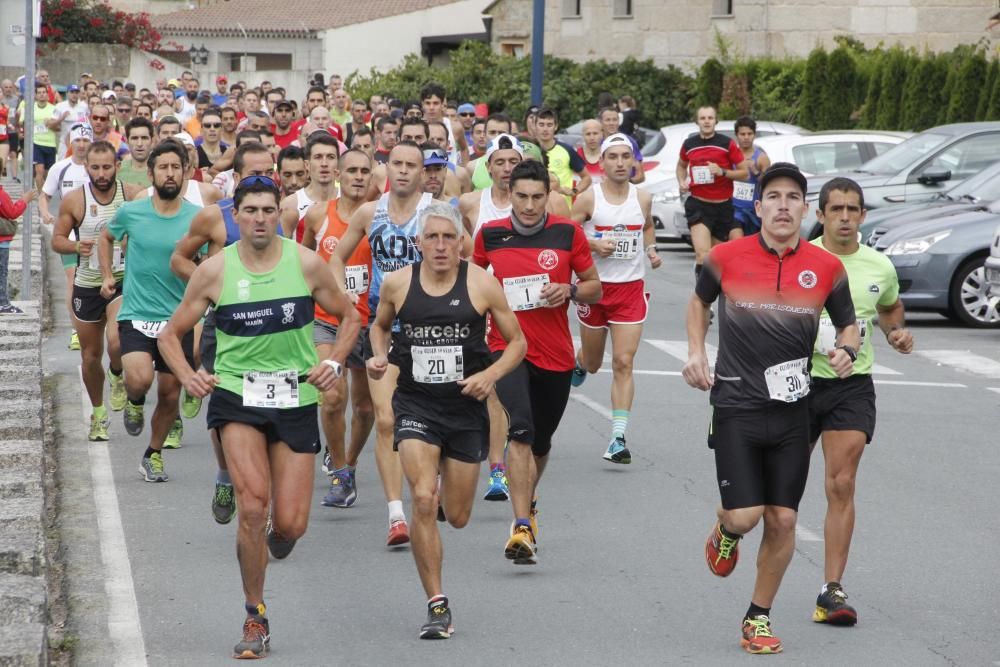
(319, 139)
(240, 156)
(39, 84)
(139, 122)
(143, 104)
(385, 120)
(440, 209)
(500, 118)
(100, 147)
(316, 89)
(548, 113)
(530, 170)
(413, 121)
(247, 135)
(212, 111)
(168, 146)
(363, 131)
(265, 132)
(409, 144)
(439, 123)
(747, 122)
(841, 184)
(203, 99)
(600, 114)
(432, 90)
(628, 100)
(259, 114)
(289, 153)
(257, 187)
(168, 120)
(223, 110)
(361, 102)
(480, 121)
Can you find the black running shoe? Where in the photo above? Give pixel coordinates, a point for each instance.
(278, 545)
(256, 638)
(832, 607)
(438, 625)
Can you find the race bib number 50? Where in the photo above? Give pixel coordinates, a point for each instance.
(275, 389)
(788, 381)
(525, 292)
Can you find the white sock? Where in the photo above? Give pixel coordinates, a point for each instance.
(396, 511)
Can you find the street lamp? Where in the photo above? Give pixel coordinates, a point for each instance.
(198, 56)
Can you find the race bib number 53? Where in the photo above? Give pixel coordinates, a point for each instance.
(275, 389)
(788, 381)
(525, 292)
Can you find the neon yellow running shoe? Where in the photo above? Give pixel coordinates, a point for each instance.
(118, 394)
(190, 405)
(98, 428)
(173, 440)
(74, 341)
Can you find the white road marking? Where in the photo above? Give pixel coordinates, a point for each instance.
(964, 360)
(636, 371)
(123, 609)
(879, 369)
(909, 383)
(806, 535)
(592, 404)
(678, 349)
(994, 389)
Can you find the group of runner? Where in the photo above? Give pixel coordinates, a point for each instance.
(424, 276)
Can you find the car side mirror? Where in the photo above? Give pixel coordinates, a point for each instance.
(934, 177)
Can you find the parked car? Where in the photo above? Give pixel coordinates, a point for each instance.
(992, 266)
(573, 136)
(820, 153)
(940, 263)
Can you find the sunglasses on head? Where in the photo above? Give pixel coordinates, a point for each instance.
(434, 153)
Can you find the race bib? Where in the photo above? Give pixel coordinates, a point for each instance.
(117, 259)
(148, 329)
(788, 381)
(525, 292)
(743, 191)
(40, 128)
(356, 279)
(702, 176)
(828, 334)
(274, 389)
(437, 364)
(626, 243)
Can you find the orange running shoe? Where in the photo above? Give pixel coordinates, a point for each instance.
(757, 637)
(721, 552)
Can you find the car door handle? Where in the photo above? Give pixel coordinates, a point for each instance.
(897, 199)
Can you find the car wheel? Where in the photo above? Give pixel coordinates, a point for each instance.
(970, 302)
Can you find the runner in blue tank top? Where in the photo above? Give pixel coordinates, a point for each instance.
(744, 191)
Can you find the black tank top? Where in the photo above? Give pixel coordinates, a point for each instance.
(441, 339)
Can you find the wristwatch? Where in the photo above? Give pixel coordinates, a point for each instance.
(851, 352)
(572, 291)
(338, 370)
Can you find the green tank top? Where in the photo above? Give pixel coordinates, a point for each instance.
(264, 328)
(481, 178)
(95, 218)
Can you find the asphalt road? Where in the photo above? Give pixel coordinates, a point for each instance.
(153, 580)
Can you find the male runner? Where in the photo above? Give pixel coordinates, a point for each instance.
(609, 119)
(388, 134)
(150, 294)
(284, 133)
(708, 164)
(436, 175)
(363, 140)
(321, 171)
(133, 169)
(496, 124)
(757, 163)
(560, 159)
(775, 287)
(325, 225)
(457, 179)
(843, 410)
(44, 136)
(264, 387)
(389, 226)
(616, 217)
(534, 256)
(445, 374)
(432, 101)
(86, 211)
(216, 227)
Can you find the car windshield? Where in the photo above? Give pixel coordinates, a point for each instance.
(901, 156)
(984, 186)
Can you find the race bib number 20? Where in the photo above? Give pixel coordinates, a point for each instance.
(437, 364)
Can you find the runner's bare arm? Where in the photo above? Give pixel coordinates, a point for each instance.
(487, 288)
(648, 229)
(357, 230)
(289, 216)
(209, 193)
(333, 300)
(583, 207)
(840, 361)
(379, 332)
(892, 321)
(468, 207)
(585, 181)
(198, 234)
(313, 221)
(681, 172)
(70, 211)
(557, 205)
(696, 371)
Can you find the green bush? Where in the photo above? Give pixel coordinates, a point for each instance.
(922, 93)
(839, 93)
(815, 83)
(970, 81)
(891, 94)
(708, 85)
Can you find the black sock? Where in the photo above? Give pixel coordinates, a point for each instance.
(255, 609)
(139, 401)
(117, 373)
(149, 452)
(726, 533)
(754, 610)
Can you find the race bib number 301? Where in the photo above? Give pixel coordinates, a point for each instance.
(275, 389)
(788, 381)
(525, 292)
(437, 364)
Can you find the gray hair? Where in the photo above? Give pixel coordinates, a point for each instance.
(439, 209)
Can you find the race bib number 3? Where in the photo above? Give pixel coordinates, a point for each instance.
(117, 260)
(743, 191)
(828, 334)
(626, 243)
(437, 364)
(525, 292)
(788, 381)
(702, 176)
(148, 329)
(356, 279)
(275, 389)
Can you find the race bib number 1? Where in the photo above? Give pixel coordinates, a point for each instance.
(437, 364)
(626, 243)
(788, 381)
(276, 389)
(148, 329)
(702, 176)
(743, 191)
(356, 279)
(524, 292)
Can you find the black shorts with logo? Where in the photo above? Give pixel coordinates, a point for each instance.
(461, 428)
(88, 304)
(296, 427)
(535, 399)
(133, 340)
(761, 454)
(842, 405)
(717, 216)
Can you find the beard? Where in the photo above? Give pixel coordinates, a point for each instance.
(103, 185)
(192, 95)
(167, 191)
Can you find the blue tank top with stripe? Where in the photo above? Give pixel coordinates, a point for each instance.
(393, 246)
(752, 180)
(232, 228)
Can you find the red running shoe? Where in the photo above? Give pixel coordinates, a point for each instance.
(757, 637)
(721, 552)
(399, 533)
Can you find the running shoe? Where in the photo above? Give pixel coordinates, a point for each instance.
(151, 468)
(578, 376)
(190, 405)
(342, 492)
(74, 341)
(134, 418)
(256, 638)
(721, 552)
(98, 428)
(11, 309)
(399, 533)
(757, 637)
(223, 503)
(533, 520)
(618, 452)
(520, 548)
(173, 440)
(498, 486)
(118, 395)
(832, 607)
(327, 463)
(277, 544)
(438, 625)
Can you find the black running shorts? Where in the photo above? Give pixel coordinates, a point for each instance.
(842, 405)
(761, 454)
(535, 400)
(296, 427)
(460, 428)
(88, 304)
(132, 340)
(717, 216)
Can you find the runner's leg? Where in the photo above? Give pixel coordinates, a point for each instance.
(291, 487)
(842, 452)
(776, 549)
(168, 393)
(92, 356)
(592, 343)
(420, 462)
(362, 415)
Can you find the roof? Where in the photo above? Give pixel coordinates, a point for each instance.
(267, 18)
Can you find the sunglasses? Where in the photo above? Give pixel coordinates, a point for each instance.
(466, 114)
(257, 180)
(434, 153)
(125, 110)
(212, 126)
(100, 118)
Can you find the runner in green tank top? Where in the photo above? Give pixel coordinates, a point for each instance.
(263, 392)
(843, 411)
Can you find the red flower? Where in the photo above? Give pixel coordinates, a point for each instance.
(96, 23)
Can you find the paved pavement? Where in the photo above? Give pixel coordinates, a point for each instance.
(153, 580)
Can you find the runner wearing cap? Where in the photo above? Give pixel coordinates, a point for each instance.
(467, 117)
(221, 94)
(616, 217)
(457, 179)
(775, 287)
(284, 133)
(435, 177)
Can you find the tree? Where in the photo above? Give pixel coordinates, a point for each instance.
(969, 82)
(735, 96)
(70, 21)
(987, 91)
(993, 105)
(811, 102)
(922, 93)
(708, 85)
(838, 91)
(890, 96)
(874, 92)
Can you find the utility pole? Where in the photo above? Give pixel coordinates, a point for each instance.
(537, 50)
(28, 177)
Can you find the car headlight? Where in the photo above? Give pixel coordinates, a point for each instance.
(666, 197)
(916, 246)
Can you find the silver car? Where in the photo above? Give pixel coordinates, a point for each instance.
(992, 266)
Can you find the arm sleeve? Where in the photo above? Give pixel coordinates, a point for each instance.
(580, 259)
(839, 304)
(735, 154)
(709, 284)
(479, 251)
(890, 292)
(9, 209)
(51, 185)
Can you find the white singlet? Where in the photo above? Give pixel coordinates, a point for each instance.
(623, 223)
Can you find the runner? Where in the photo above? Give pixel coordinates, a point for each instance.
(445, 374)
(708, 164)
(432, 101)
(843, 410)
(150, 294)
(133, 169)
(775, 287)
(590, 150)
(216, 227)
(559, 158)
(536, 271)
(757, 163)
(71, 111)
(324, 227)
(363, 140)
(389, 225)
(86, 211)
(320, 184)
(616, 217)
(43, 132)
(457, 180)
(496, 124)
(388, 134)
(609, 119)
(264, 387)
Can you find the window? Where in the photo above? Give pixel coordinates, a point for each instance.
(964, 158)
(260, 62)
(622, 9)
(827, 158)
(515, 49)
(571, 9)
(722, 7)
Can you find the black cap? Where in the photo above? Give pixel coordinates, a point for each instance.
(283, 103)
(782, 169)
